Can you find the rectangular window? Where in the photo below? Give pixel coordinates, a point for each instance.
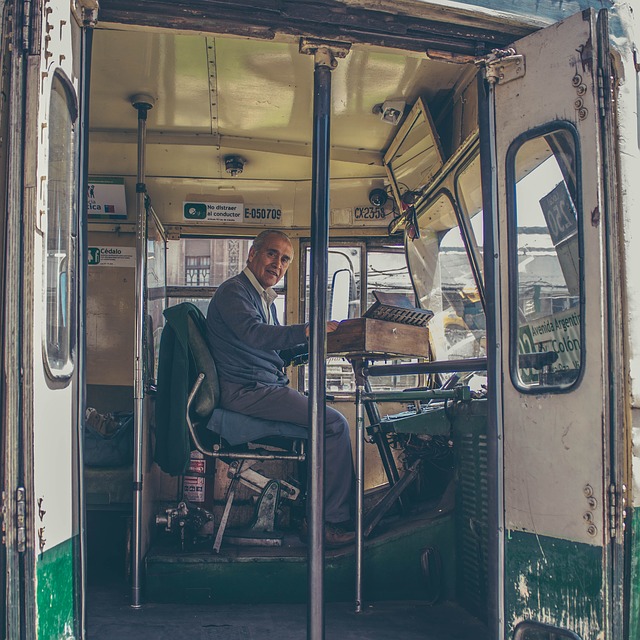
(196, 267)
(445, 281)
(545, 260)
(156, 292)
(197, 271)
(385, 269)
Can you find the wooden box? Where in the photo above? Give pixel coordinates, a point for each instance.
(368, 337)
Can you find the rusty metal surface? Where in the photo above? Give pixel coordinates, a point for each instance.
(417, 29)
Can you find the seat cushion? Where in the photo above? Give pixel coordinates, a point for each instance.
(236, 428)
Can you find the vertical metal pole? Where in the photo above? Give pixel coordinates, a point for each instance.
(142, 104)
(317, 346)
(495, 466)
(11, 465)
(83, 162)
(359, 493)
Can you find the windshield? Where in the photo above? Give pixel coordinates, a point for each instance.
(444, 282)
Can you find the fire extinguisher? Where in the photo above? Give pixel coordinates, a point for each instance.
(197, 483)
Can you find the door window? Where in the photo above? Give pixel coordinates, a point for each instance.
(545, 261)
(61, 229)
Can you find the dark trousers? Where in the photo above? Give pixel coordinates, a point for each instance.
(272, 402)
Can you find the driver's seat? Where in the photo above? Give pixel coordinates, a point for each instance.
(188, 417)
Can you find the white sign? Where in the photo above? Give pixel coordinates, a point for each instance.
(111, 257)
(106, 198)
(369, 215)
(214, 211)
(559, 332)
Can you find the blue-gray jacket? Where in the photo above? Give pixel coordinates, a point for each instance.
(246, 348)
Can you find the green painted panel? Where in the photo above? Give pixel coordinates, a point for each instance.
(55, 598)
(554, 581)
(634, 608)
(392, 570)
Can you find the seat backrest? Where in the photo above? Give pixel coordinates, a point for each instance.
(207, 398)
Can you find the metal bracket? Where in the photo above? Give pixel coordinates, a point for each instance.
(267, 508)
(257, 482)
(325, 52)
(503, 65)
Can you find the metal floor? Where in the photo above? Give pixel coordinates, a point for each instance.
(109, 617)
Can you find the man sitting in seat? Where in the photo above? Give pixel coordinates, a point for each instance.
(246, 338)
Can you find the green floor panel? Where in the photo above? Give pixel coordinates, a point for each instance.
(392, 570)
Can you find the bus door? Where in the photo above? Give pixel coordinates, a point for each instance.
(42, 349)
(549, 298)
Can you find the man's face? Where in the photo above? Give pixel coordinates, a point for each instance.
(271, 261)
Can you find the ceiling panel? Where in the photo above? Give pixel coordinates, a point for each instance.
(254, 98)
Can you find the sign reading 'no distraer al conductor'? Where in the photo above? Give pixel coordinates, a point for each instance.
(214, 211)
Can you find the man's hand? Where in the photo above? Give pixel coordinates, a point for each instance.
(332, 325)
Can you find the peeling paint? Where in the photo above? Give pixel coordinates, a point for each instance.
(522, 587)
(555, 582)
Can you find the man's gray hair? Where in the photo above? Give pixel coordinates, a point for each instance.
(261, 238)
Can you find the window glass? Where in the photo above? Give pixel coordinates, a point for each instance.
(156, 292)
(196, 267)
(444, 282)
(387, 271)
(61, 229)
(469, 195)
(545, 257)
(343, 302)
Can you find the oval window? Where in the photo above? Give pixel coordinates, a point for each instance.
(61, 230)
(545, 255)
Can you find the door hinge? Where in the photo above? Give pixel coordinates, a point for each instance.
(503, 65)
(602, 104)
(617, 509)
(4, 518)
(21, 520)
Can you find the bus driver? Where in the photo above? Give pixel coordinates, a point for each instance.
(246, 338)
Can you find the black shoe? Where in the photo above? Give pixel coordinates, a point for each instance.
(334, 535)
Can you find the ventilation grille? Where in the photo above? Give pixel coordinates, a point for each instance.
(472, 523)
